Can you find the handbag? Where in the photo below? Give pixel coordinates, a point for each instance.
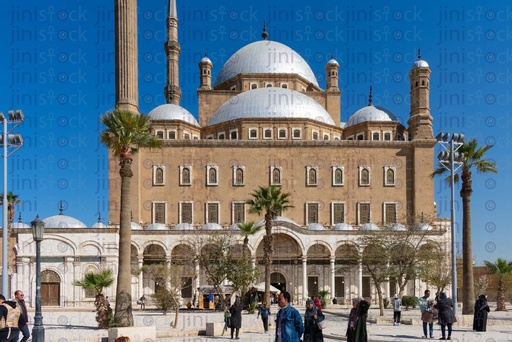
(426, 316)
(322, 324)
(435, 313)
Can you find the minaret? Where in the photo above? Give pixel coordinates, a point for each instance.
(420, 120)
(205, 70)
(172, 48)
(331, 70)
(127, 95)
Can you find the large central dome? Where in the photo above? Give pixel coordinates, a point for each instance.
(271, 103)
(265, 57)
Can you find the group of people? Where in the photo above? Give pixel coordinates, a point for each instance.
(14, 318)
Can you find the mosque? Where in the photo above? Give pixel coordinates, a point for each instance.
(263, 120)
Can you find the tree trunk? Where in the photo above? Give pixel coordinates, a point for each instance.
(468, 294)
(101, 312)
(500, 305)
(268, 250)
(381, 299)
(123, 315)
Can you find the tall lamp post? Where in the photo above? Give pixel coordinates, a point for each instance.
(452, 161)
(37, 233)
(15, 141)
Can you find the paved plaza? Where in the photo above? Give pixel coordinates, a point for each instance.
(65, 325)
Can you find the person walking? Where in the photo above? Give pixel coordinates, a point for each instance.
(446, 316)
(426, 304)
(264, 312)
(356, 330)
(312, 316)
(289, 326)
(236, 318)
(10, 319)
(19, 298)
(397, 310)
(480, 316)
(142, 301)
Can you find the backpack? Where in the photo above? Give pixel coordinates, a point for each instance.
(12, 317)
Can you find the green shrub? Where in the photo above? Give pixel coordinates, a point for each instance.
(251, 309)
(409, 301)
(322, 294)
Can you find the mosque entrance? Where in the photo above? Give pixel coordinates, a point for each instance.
(278, 281)
(50, 288)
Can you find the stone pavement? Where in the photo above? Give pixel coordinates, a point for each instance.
(69, 325)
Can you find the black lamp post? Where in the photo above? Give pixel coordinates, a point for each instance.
(37, 233)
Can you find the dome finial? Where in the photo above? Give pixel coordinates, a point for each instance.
(61, 208)
(99, 216)
(419, 54)
(370, 98)
(264, 35)
(332, 55)
(19, 217)
(206, 53)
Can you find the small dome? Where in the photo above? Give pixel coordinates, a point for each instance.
(212, 226)
(397, 227)
(271, 103)
(343, 226)
(63, 221)
(234, 226)
(420, 63)
(206, 60)
(99, 224)
(334, 62)
(157, 226)
(315, 226)
(136, 226)
(17, 225)
(371, 113)
(423, 226)
(265, 57)
(184, 226)
(171, 111)
(369, 226)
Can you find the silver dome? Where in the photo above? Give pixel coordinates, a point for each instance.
(171, 111)
(343, 226)
(423, 227)
(398, 227)
(279, 219)
(234, 226)
(332, 61)
(157, 226)
(63, 221)
(369, 226)
(136, 226)
(420, 63)
(184, 226)
(271, 103)
(212, 226)
(99, 225)
(206, 60)
(370, 113)
(265, 57)
(19, 225)
(315, 226)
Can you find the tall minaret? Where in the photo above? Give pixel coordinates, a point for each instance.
(420, 120)
(172, 91)
(127, 95)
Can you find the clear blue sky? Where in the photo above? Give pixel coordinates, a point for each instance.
(57, 63)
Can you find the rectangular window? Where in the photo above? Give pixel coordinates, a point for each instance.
(212, 212)
(312, 213)
(159, 212)
(253, 133)
(186, 210)
(312, 286)
(297, 133)
(364, 213)
(338, 213)
(366, 287)
(389, 213)
(238, 212)
(186, 288)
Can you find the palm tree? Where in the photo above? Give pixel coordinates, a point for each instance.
(501, 268)
(125, 134)
(12, 200)
(97, 282)
(247, 229)
(273, 202)
(474, 158)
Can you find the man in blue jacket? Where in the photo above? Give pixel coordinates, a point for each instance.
(289, 326)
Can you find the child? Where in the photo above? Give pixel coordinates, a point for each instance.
(227, 320)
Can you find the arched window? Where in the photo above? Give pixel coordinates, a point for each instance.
(338, 176)
(172, 135)
(212, 176)
(239, 176)
(312, 176)
(159, 176)
(185, 175)
(160, 134)
(389, 175)
(315, 135)
(276, 176)
(364, 176)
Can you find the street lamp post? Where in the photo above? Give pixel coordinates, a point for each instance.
(37, 233)
(452, 161)
(15, 141)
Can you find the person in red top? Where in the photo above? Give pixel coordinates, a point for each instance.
(19, 298)
(317, 303)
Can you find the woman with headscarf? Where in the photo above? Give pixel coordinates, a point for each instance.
(356, 330)
(313, 315)
(236, 318)
(446, 316)
(480, 316)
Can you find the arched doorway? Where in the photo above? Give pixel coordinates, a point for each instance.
(278, 280)
(183, 267)
(317, 269)
(50, 288)
(153, 255)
